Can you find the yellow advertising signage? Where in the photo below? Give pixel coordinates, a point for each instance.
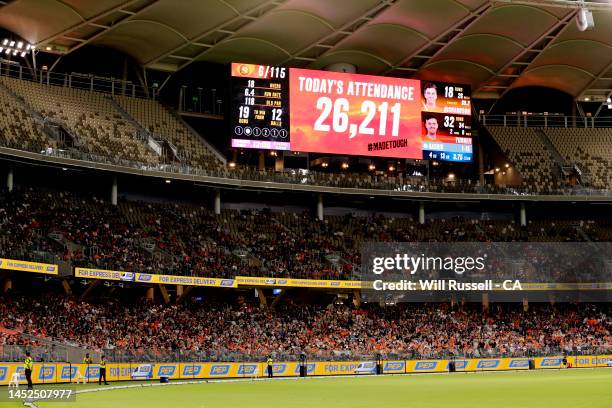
(184, 280)
(103, 274)
(26, 266)
(297, 283)
(65, 372)
(153, 278)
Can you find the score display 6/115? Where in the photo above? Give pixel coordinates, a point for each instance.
(260, 97)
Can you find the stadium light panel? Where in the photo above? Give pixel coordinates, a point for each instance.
(584, 20)
(20, 48)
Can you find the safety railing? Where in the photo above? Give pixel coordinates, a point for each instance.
(311, 178)
(546, 121)
(74, 354)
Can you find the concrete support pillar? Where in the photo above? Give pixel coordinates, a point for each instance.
(164, 293)
(218, 202)
(184, 293)
(8, 285)
(357, 299)
(9, 179)
(525, 304)
(263, 302)
(279, 164)
(421, 212)
(481, 179)
(320, 207)
(66, 286)
(523, 216)
(179, 291)
(262, 161)
(150, 294)
(114, 191)
(485, 302)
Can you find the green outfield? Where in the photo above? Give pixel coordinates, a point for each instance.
(535, 389)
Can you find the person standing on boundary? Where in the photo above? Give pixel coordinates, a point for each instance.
(28, 365)
(269, 362)
(102, 371)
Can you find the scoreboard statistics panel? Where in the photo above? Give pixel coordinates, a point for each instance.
(446, 122)
(260, 107)
(329, 112)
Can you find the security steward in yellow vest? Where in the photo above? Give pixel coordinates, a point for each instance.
(28, 366)
(102, 371)
(87, 360)
(269, 362)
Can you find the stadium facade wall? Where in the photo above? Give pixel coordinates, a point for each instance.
(65, 372)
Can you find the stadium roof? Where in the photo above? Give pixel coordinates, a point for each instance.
(492, 45)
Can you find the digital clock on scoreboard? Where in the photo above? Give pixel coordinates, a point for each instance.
(260, 107)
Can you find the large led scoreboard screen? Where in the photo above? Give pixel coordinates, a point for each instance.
(330, 112)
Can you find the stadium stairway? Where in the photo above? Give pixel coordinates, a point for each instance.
(145, 135)
(36, 116)
(220, 156)
(562, 169)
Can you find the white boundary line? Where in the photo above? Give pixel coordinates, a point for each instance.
(234, 380)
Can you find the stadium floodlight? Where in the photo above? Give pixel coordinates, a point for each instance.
(609, 100)
(20, 48)
(584, 19)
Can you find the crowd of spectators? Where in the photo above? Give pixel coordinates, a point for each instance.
(229, 330)
(184, 239)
